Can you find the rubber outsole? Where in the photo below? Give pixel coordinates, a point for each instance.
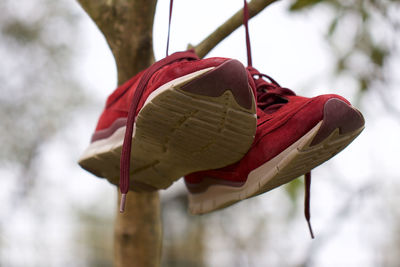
(182, 129)
(341, 124)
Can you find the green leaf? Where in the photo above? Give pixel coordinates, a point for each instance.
(301, 4)
(378, 55)
(293, 189)
(364, 84)
(332, 26)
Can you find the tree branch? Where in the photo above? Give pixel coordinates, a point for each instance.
(234, 22)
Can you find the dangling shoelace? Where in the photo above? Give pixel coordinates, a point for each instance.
(270, 97)
(127, 144)
(171, 3)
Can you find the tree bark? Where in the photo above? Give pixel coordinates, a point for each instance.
(138, 232)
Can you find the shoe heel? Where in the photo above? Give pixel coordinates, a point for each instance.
(231, 76)
(205, 122)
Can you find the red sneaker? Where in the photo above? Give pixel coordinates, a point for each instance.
(294, 135)
(179, 116)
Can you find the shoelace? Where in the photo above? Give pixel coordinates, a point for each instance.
(270, 97)
(127, 144)
(171, 3)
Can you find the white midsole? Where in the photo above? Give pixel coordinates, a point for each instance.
(110, 143)
(116, 139)
(256, 178)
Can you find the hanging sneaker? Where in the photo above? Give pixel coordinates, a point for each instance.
(179, 116)
(294, 135)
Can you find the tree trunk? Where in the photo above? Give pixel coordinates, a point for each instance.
(138, 232)
(128, 26)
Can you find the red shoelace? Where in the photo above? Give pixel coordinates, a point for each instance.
(270, 97)
(127, 144)
(126, 147)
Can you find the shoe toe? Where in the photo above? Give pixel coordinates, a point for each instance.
(338, 114)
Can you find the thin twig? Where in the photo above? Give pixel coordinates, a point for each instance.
(234, 22)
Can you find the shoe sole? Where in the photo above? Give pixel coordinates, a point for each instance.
(340, 126)
(190, 124)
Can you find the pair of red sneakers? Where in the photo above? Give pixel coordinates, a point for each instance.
(231, 131)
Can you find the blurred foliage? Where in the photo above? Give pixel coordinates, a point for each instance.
(361, 34)
(187, 237)
(362, 37)
(183, 243)
(294, 190)
(301, 4)
(39, 93)
(93, 238)
(39, 89)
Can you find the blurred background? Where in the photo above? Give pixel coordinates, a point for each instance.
(56, 71)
